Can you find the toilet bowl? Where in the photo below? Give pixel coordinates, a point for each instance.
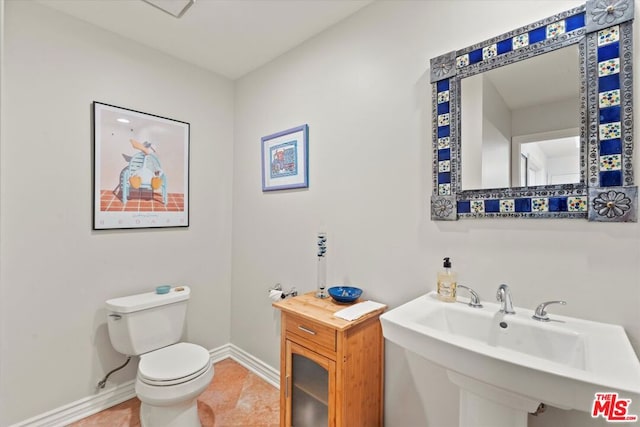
(171, 374)
(168, 382)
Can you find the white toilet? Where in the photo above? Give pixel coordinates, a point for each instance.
(171, 374)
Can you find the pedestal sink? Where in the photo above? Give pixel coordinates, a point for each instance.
(506, 365)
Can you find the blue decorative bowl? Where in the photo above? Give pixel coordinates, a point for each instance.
(345, 294)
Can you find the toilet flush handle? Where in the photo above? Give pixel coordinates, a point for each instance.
(115, 316)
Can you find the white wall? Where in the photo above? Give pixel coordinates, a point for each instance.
(496, 138)
(471, 131)
(2, 292)
(546, 118)
(363, 88)
(563, 168)
(57, 272)
(486, 135)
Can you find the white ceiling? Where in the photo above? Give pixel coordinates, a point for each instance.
(228, 37)
(540, 80)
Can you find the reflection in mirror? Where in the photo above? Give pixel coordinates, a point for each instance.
(546, 159)
(520, 123)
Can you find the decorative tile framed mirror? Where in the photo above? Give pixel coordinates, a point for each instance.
(538, 122)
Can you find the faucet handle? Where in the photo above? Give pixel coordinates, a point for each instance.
(474, 301)
(541, 313)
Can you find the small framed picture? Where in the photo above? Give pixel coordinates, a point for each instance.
(285, 159)
(140, 169)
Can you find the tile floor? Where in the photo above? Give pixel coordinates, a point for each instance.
(141, 201)
(236, 397)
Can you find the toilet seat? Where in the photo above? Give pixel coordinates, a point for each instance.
(175, 364)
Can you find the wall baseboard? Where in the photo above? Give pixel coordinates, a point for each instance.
(255, 365)
(65, 415)
(82, 408)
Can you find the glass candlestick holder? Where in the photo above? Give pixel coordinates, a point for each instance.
(322, 266)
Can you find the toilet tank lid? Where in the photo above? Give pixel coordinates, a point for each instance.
(138, 302)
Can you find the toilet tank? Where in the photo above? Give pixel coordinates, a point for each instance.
(146, 322)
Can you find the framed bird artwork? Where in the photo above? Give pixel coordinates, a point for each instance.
(140, 169)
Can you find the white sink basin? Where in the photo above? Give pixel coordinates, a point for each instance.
(564, 362)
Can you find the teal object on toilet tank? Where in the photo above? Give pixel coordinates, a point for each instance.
(164, 289)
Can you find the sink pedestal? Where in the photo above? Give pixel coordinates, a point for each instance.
(483, 405)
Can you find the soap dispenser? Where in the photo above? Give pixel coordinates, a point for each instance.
(447, 283)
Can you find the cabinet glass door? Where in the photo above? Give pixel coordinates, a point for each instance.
(310, 384)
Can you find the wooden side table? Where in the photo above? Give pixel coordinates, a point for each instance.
(331, 370)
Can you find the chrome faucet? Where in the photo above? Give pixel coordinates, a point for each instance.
(504, 297)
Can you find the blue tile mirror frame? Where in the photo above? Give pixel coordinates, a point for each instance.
(602, 31)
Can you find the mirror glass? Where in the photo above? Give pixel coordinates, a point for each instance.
(538, 122)
(520, 123)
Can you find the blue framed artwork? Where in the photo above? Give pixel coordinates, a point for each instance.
(285, 159)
